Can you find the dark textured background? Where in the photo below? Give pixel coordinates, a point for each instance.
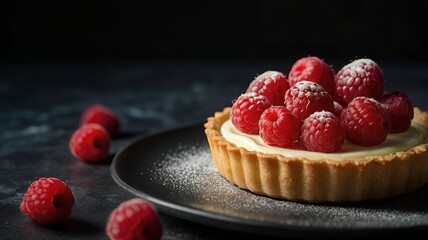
(242, 30)
(161, 65)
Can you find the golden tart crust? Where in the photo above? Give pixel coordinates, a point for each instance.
(300, 179)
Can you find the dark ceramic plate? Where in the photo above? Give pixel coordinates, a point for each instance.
(174, 170)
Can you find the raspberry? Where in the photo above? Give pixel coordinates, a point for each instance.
(307, 97)
(98, 113)
(313, 69)
(365, 121)
(362, 77)
(400, 110)
(246, 112)
(134, 219)
(90, 143)
(47, 201)
(322, 132)
(271, 84)
(279, 127)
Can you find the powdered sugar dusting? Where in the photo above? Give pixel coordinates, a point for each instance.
(268, 81)
(270, 75)
(188, 172)
(360, 68)
(322, 115)
(310, 86)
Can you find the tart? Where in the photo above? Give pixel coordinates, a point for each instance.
(321, 137)
(355, 174)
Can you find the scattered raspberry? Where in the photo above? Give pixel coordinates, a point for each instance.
(313, 69)
(90, 143)
(307, 97)
(246, 112)
(362, 77)
(134, 219)
(279, 127)
(338, 109)
(102, 115)
(322, 132)
(365, 121)
(271, 84)
(48, 201)
(400, 110)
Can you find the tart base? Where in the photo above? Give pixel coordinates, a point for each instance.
(300, 179)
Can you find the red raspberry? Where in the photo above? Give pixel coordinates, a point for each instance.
(134, 219)
(338, 109)
(322, 132)
(246, 112)
(362, 77)
(307, 97)
(400, 110)
(48, 201)
(365, 121)
(271, 84)
(313, 69)
(98, 113)
(279, 127)
(90, 143)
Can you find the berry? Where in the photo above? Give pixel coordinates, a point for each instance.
(134, 219)
(100, 114)
(271, 84)
(322, 132)
(365, 121)
(246, 112)
(279, 127)
(47, 201)
(313, 69)
(400, 110)
(362, 77)
(307, 97)
(90, 143)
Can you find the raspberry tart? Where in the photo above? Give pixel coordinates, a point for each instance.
(364, 146)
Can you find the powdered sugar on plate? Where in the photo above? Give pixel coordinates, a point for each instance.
(188, 172)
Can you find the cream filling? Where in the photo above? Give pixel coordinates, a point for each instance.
(394, 143)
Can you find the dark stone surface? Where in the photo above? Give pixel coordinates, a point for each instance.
(40, 106)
